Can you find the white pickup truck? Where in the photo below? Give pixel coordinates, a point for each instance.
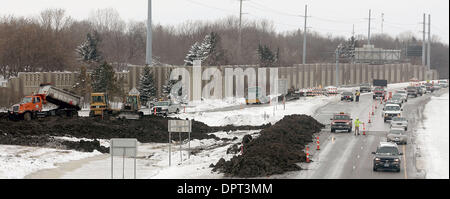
(390, 111)
(166, 107)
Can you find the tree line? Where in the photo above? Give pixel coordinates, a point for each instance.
(49, 42)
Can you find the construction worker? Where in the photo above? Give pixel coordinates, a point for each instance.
(357, 95)
(357, 124)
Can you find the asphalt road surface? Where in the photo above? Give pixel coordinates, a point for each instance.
(343, 155)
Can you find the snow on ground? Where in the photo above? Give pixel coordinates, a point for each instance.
(18, 161)
(153, 160)
(256, 116)
(103, 142)
(433, 138)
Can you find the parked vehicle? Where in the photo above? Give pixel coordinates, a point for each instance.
(131, 107)
(100, 105)
(397, 135)
(387, 156)
(31, 107)
(259, 99)
(166, 107)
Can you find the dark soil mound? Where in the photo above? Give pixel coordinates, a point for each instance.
(148, 129)
(275, 151)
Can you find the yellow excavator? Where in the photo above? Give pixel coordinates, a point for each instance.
(100, 106)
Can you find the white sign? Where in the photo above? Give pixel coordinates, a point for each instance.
(124, 148)
(180, 126)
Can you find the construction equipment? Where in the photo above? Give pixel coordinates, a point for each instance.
(100, 105)
(31, 107)
(131, 107)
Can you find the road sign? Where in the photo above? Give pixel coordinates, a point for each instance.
(124, 148)
(179, 126)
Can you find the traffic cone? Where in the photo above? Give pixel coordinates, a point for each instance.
(369, 119)
(376, 102)
(307, 155)
(373, 113)
(364, 129)
(318, 143)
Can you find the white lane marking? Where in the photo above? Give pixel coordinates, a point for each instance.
(337, 169)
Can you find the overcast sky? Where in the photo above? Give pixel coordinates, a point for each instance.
(335, 17)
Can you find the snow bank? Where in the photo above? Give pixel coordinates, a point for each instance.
(17, 161)
(257, 116)
(433, 138)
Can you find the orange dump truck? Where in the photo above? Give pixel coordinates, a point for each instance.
(32, 107)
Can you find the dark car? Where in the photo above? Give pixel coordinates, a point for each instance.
(429, 87)
(387, 156)
(347, 96)
(365, 88)
(341, 121)
(412, 91)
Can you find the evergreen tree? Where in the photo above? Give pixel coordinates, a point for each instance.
(82, 85)
(215, 55)
(347, 49)
(88, 51)
(210, 51)
(192, 55)
(147, 86)
(266, 57)
(104, 80)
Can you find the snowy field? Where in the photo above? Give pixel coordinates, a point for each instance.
(153, 161)
(17, 161)
(153, 158)
(256, 116)
(433, 138)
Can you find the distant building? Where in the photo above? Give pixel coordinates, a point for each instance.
(368, 54)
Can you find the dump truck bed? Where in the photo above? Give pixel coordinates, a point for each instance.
(61, 98)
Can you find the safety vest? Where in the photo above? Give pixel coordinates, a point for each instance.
(357, 123)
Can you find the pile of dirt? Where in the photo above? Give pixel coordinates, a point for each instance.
(3, 116)
(150, 129)
(275, 151)
(50, 142)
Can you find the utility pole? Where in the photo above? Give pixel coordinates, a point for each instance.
(304, 34)
(370, 19)
(424, 47)
(337, 66)
(240, 30)
(149, 59)
(353, 31)
(429, 43)
(382, 22)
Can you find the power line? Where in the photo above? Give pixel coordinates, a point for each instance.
(212, 7)
(264, 8)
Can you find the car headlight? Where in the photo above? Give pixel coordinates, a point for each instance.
(396, 160)
(377, 159)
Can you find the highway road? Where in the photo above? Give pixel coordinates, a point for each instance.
(343, 155)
